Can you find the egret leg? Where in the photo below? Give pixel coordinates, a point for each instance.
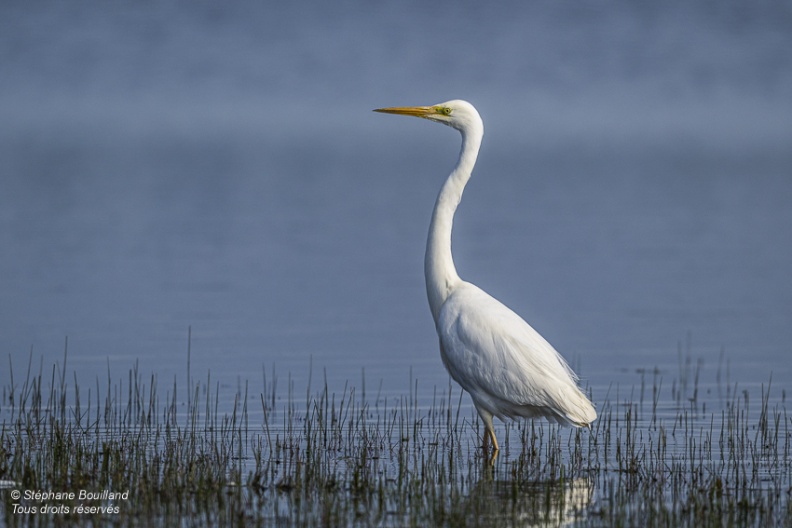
(489, 430)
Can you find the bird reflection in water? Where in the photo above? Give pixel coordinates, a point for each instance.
(535, 503)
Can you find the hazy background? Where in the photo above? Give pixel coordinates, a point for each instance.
(217, 165)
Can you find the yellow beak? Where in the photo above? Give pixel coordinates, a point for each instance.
(417, 111)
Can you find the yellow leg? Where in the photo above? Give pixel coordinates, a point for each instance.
(489, 430)
(494, 440)
(489, 433)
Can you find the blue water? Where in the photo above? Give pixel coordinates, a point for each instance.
(217, 167)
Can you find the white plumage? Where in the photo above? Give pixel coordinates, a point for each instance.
(508, 369)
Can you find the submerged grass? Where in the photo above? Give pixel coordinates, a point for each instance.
(332, 459)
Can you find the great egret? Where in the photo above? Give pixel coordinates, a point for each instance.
(509, 369)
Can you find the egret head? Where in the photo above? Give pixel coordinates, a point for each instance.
(456, 114)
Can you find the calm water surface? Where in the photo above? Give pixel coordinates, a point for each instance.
(176, 167)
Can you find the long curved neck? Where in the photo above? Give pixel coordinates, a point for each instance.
(441, 275)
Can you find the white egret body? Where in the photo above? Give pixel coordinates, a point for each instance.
(508, 369)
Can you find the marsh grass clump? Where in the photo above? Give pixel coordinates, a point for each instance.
(208, 455)
(126, 440)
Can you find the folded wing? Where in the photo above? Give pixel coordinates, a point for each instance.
(506, 366)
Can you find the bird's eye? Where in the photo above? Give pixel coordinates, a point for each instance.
(443, 110)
